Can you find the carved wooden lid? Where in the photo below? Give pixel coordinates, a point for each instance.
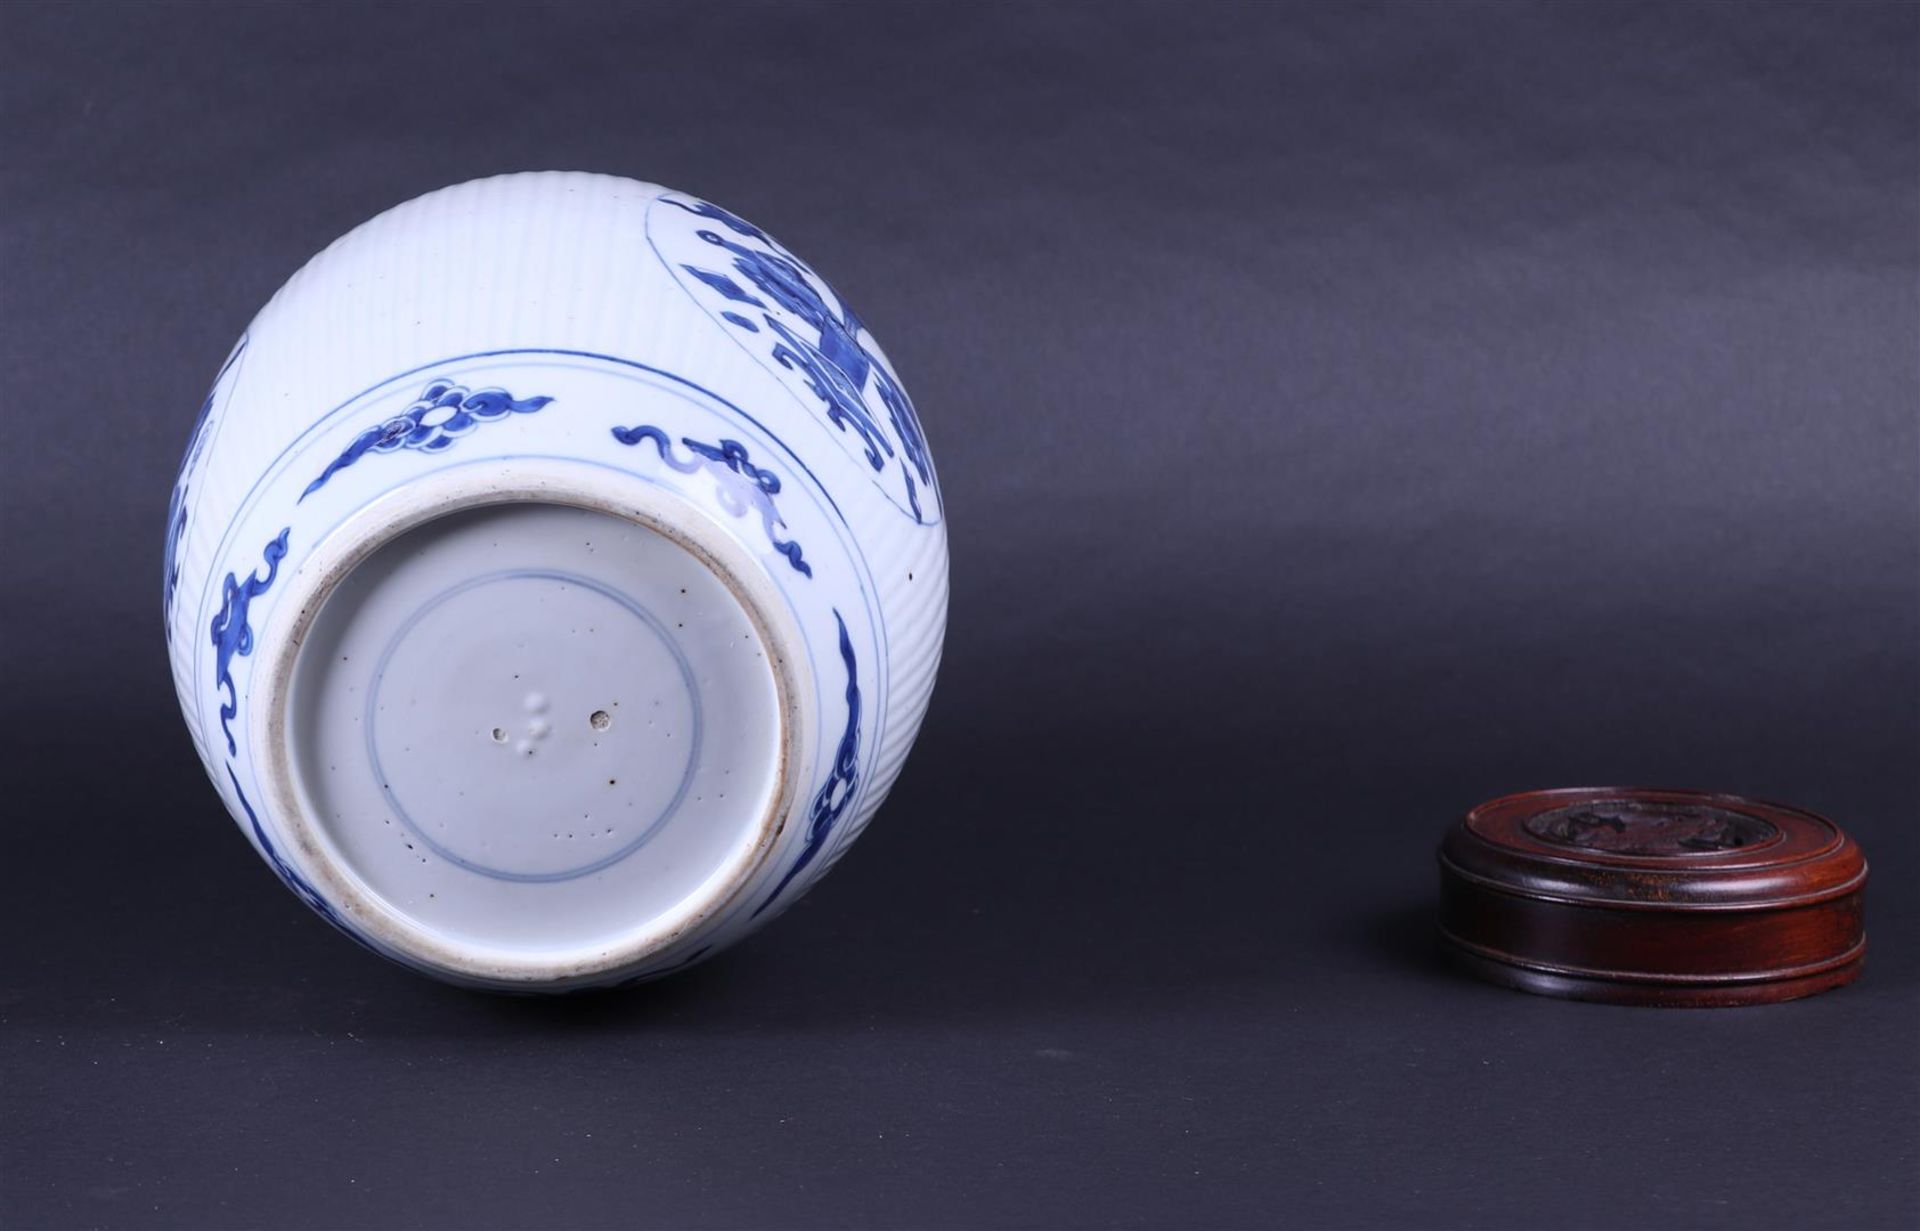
(1647, 896)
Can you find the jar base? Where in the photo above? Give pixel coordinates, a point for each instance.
(532, 743)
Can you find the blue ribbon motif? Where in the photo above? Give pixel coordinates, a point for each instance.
(742, 485)
(231, 633)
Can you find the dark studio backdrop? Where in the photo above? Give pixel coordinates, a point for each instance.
(1346, 413)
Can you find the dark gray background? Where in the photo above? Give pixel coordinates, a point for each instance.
(1345, 413)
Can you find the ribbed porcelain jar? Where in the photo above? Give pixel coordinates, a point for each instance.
(555, 581)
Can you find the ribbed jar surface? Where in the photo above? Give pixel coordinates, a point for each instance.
(611, 325)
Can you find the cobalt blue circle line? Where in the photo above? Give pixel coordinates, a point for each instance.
(633, 608)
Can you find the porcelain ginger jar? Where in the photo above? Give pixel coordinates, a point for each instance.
(555, 581)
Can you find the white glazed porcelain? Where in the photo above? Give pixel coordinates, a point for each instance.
(555, 581)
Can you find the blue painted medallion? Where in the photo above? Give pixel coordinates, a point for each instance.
(785, 315)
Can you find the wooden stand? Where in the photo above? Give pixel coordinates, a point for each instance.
(1636, 896)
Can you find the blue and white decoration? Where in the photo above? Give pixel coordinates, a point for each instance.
(231, 632)
(742, 485)
(570, 627)
(831, 800)
(787, 315)
(288, 875)
(178, 505)
(177, 511)
(442, 414)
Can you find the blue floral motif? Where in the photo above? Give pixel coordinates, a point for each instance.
(232, 635)
(441, 414)
(836, 794)
(835, 363)
(742, 484)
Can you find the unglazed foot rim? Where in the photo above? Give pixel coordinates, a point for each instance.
(541, 914)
